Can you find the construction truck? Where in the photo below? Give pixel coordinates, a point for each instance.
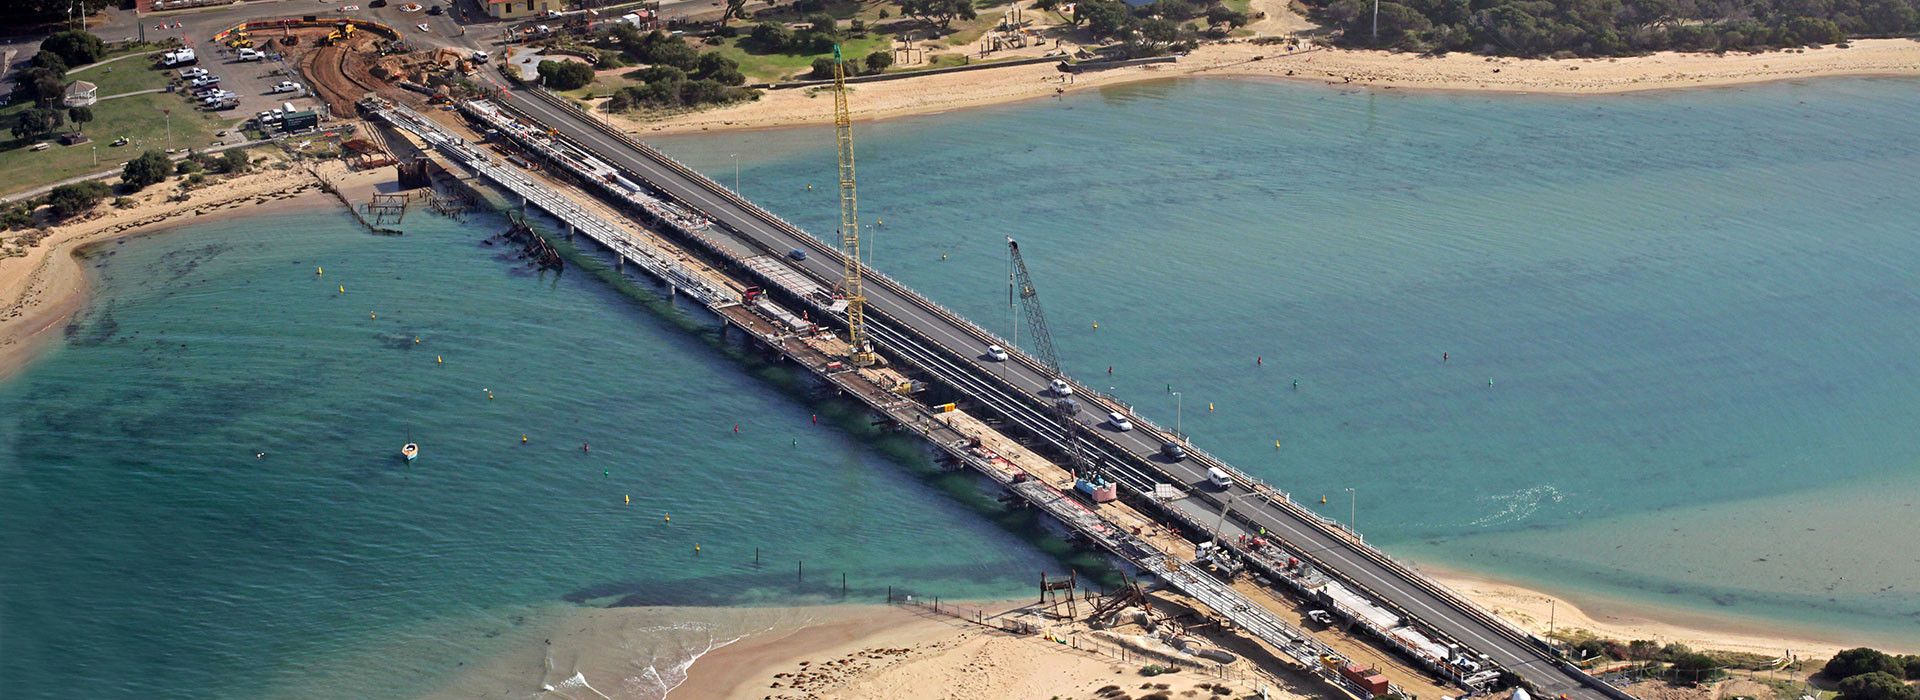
(240, 42)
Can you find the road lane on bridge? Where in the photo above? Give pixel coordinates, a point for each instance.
(1141, 446)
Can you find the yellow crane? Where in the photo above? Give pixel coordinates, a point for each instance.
(860, 349)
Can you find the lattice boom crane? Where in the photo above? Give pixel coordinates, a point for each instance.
(860, 349)
(1091, 481)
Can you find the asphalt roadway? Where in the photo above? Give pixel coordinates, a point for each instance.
(1142, 445)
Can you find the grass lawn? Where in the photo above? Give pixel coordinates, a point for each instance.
(137, 118)
(119, 77)
(780, 66)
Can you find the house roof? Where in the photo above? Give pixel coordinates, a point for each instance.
(80, 87)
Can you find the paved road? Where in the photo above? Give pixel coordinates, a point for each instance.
(1137, 449)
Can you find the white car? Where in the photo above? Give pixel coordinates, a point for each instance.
(191, 73)
(481, 57)
(1061, 388)
(204, 81)
(285, 86)
(251, 55)
(996, 353)
(1119, 422)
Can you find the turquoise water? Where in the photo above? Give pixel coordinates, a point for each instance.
(1678, 328)
(150, 554)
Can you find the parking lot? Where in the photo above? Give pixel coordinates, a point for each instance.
(252, 82)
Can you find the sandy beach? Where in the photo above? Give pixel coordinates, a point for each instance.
(1536, 611)
(1359, 69)
(40, 290)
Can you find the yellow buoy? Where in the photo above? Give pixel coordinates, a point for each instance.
(319, 271)
(437, 360)
(343, 289)
(489, 394)
(370, 315)
(523, 439)
(1209, 406)
(416, 339)
(669, 518)
(1323, 499)
(629, 499)
(696, 546)
(1096, 324)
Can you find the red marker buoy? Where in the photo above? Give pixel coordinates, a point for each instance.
(583, 447)
(1259, 360)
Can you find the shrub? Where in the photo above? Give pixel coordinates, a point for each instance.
(76, 47)
(68, 200)
(879, 60)
(1876, 686)
(147, 169)
(235, 161)
(1860, 661)
(565, 75)
(822, 68)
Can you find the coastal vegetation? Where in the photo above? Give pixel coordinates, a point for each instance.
(1870, 674)
(1590, 28)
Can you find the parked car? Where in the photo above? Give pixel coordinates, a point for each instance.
(191, 73)
(377, 3)
(284, 86)
(251, 55)
(204, 81)
(436, 9)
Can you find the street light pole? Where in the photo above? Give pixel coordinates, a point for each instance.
(1351, 524)
(1179, 408)
(169, 114)
(1376, 21)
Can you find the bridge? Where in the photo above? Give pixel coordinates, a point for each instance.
(1407, 609)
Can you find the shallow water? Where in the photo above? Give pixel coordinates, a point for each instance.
(151, 554)
(1626, 348)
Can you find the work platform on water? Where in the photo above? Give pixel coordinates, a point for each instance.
(1318, 558)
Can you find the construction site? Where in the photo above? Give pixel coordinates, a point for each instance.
(1221, 580)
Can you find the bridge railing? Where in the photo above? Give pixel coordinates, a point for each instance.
(1278, 497)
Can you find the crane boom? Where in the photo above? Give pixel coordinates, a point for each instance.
(859, 348)
(1091, 481)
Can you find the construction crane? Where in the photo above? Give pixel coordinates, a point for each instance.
(1092, 482)
(860, 350)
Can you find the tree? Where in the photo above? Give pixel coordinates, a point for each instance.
(942, 11)
(79, 116)
(879, 60)
(1160, 30)
(40, 85)
(1105, 18)
(771, 36)
(1877, 685)
(67, 200)
(718, 68)
(1859, 661)
(50, 61)
(822, 68)
(1912, 664)
(76, 47)
(565, 75)
(235, 161)
(150, 168)
(36, 122)
(822, 23)
(735, 9)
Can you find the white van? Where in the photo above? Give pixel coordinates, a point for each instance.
(287, 108)
(1218, 478)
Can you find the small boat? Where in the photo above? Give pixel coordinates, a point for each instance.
(410, 451)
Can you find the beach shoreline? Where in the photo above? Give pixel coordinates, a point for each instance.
(42, 289)
(1340, 68)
